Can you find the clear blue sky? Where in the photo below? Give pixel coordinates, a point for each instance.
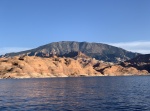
(31, 23)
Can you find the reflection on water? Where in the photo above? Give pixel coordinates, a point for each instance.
(91, 93)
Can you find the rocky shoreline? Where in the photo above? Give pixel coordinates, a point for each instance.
(82, 65)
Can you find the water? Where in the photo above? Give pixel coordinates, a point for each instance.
(78, 94)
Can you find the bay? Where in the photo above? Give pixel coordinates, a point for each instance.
(126, 93)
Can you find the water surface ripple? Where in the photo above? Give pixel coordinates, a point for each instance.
(77, 94)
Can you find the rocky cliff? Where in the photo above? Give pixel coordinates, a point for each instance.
(67, 48)
(141, 62)
(80, 65)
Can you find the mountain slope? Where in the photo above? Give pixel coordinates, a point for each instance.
(95, 50)
(141, 62)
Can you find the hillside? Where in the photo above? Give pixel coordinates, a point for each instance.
(65, 48)
(141, 62)
(37, 67)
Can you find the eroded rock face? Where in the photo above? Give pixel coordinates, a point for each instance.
(37, 67)
(141, 62)
(118, 70)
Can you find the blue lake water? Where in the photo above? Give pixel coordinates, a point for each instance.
(130, 93)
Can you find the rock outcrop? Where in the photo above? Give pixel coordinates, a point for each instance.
(118, 70)
(36, 67)
(80, 65)
(136, 66)
(141, 62)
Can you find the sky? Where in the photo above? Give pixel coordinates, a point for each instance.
(27, 24)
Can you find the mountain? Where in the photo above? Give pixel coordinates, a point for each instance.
(65, 48)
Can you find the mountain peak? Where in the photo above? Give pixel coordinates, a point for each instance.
(98, 51)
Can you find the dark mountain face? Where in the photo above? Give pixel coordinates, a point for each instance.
(141, 62)
(95, 50)
(144, 58)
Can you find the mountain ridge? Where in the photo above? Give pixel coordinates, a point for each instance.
(98, 51)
